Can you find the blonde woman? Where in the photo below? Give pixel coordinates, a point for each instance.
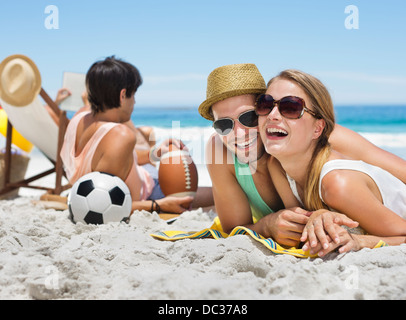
(296, 118)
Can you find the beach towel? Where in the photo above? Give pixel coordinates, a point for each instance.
(216, 232)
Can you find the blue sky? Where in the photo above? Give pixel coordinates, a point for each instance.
(176, 44)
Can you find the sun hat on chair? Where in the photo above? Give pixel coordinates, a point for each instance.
(20, 80)
(230, 81)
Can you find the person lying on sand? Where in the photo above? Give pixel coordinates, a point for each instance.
(99, 140)
(296, 119)
(236, 159)
(145, 135)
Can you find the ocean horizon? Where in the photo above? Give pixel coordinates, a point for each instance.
(360, 118)
(385, 126)
(383, 119)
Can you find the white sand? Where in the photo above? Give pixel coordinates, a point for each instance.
(45, 256)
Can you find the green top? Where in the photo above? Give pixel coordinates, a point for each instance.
(258, 206)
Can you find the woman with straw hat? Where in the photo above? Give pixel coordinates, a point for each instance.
(237, 162)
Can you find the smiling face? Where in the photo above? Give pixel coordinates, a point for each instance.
(283, 137)
(242, 141)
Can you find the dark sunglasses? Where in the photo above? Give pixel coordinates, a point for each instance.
(224, 126)
(290, 107)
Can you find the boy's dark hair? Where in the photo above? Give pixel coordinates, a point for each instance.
(105, 80)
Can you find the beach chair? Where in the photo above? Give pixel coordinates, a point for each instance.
(20, 88)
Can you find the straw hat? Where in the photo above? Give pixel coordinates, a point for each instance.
(20, 80)
(230, 81)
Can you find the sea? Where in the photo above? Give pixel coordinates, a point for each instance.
(385, 126)
(363, 119)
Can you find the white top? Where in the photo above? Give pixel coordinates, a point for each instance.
(293, 187)
(393, 190)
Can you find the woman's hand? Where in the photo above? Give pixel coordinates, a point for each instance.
(322, 223)
(347, 242)
(286, 226)
(62, 95)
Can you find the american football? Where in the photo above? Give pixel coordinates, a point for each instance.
(177, 173)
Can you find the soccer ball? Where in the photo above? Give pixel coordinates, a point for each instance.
(98, 198)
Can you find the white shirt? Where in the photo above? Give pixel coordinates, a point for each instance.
(393, 190)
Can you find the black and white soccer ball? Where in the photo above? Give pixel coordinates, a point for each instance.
(98, 198)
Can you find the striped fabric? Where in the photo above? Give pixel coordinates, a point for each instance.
(215, 232)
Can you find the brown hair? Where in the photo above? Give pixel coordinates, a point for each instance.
(323, 106)
(105, 80)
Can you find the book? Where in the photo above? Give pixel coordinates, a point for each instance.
(76, 84)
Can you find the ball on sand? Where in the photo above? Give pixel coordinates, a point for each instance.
(98, 198)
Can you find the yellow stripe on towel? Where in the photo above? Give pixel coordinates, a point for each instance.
(380, 244)
(216, 232)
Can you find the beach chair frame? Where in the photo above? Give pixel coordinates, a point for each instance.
(57, 165)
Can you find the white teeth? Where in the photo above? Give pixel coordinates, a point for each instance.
(246, 143)
(276, 130)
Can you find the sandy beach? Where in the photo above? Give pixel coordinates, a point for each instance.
(43, 255)
(356, 49)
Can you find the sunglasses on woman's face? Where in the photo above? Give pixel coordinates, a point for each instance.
(289, 107)
(224, 126)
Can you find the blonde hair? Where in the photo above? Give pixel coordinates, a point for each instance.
(323, 106)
